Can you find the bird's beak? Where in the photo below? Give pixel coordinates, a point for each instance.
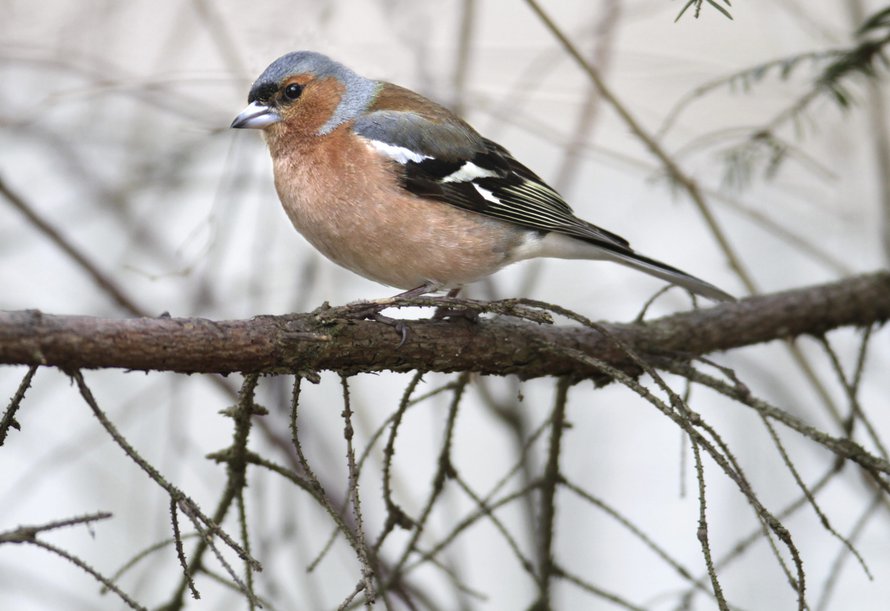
(256, 116)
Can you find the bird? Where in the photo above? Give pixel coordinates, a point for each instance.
(400, 190)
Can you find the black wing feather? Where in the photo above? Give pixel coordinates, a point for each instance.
(522, 197)
(510, 191)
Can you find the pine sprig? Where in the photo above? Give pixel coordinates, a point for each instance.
(697, 4)
(834, 74)
(866, 59)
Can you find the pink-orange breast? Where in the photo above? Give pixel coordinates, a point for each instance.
(345, 199)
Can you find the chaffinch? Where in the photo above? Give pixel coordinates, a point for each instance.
(396, 188)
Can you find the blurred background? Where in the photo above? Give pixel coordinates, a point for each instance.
(114, 137)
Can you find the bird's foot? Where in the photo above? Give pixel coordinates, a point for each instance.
(455, 313)
(371, 310)
(400, 326)
(364, 310)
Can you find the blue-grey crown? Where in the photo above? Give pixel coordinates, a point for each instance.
(359, 92)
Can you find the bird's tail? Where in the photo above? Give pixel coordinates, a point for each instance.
(668, 273)
(556, 244)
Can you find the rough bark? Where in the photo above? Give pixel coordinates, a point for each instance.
(502, 345)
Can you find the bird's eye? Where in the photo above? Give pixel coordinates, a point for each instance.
(293, 91)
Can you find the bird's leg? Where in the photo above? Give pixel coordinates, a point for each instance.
(376, 305)
(370, 310)
(417, 291)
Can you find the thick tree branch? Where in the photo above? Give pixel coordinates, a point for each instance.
(503, 345)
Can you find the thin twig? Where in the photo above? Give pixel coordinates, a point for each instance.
(672, 169)
(104, 281)
(180, 552)
(368, 571)
(443, 473)
(551, 479)
(106, 583)
(562, 573)
(8, 421)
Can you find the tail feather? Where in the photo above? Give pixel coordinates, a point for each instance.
(668, 273)
(563, 246)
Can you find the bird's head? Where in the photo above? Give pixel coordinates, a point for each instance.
(307, 93)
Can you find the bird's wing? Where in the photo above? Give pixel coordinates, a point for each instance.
(442, 158)
(448, 161)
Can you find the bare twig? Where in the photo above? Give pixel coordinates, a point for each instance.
(104, 281)
(8, 420)
(551, 480)
(364, 557)
(670, 166)
(28, 534)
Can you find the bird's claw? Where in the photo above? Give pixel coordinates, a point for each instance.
(400, 326)
(371, 311)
